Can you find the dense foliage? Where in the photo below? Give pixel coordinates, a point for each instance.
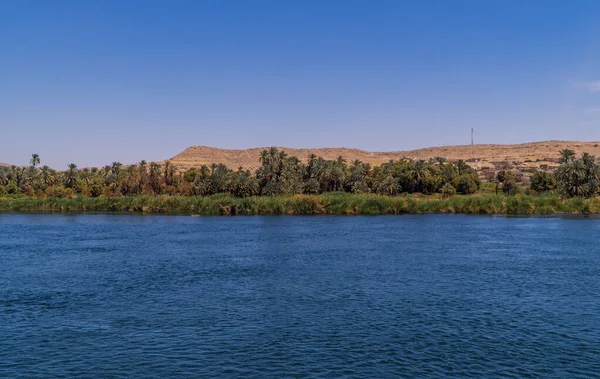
(329, 203)
(542, 181)
(278, 174)
(283, 182)
(578, 177)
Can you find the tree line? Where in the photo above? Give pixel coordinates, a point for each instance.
(281, 174)
(574, 177)
(278, 174)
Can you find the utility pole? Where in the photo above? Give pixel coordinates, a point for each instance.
(472, 137)
(472, 143)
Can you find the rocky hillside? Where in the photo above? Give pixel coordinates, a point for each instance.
(486, 158)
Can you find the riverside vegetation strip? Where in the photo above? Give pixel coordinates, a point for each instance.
(329, 203)
(284, 185)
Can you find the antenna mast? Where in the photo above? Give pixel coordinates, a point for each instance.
(472, 144)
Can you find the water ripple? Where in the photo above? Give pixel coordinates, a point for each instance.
(417, 296)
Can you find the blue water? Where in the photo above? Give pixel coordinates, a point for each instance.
(405, 296)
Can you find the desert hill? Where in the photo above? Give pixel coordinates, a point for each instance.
(520, 157)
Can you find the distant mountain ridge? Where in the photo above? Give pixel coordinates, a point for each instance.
(527, 155)
(540, 155)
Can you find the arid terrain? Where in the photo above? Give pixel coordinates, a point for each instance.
(485, 158)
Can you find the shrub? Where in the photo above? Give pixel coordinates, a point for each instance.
(531, 192)
(59, 192)
(509, 187)
(191, 175)
(448, 190)
(467, 184)
(95, 190)
(542, 181)
(500, 176)
(11, 188)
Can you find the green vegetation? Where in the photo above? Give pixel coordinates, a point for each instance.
(285, 185)
(278, 174)
(578, 177)
(338, 203)
(542, 181)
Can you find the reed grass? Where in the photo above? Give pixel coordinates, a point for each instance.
(329, 203)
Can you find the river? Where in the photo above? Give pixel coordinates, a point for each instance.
(385, 296)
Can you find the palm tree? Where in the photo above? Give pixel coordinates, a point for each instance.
(244, 183)
(388, 186)
(71, 176)
(411, 174)
(588, 159)
(48, 176)
(155, 177)
(272, 161)
(592, 174)
(338, 173)
(291, 176)
(264, 157)
(310, 164)
(577, 177)
(356, 181)
(85, 175)
(570, 177)
(566, 156)
(116, 168)
(322, 173)
(220, 180)
(281, 161)
(461, 165)
(440, 160)
(12, 173)
(35, 160)
(3, 177)
(105, 173)
(17, 174)
(143, 176)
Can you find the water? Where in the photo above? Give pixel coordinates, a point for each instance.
(406, 296)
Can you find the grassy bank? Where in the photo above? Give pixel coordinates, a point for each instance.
(331, 203)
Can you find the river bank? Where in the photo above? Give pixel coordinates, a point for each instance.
(330, 203)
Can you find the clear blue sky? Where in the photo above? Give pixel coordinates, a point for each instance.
(92, 82)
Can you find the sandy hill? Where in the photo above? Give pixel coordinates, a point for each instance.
(483, 157)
